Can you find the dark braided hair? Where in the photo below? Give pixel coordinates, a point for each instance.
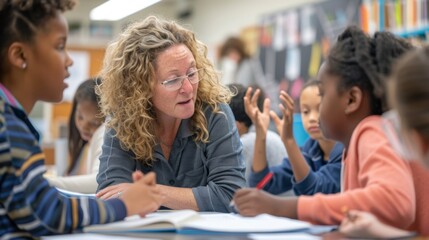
(21, 19)
(363, 61)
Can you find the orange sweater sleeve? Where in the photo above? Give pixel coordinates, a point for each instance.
(376, 180)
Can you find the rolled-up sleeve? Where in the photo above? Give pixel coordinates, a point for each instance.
(116, 165)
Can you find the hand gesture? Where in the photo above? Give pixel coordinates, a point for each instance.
(261, 120)
(366, 225)
(284, 125)
(143, 196)
(114, 191)
(140, 197)
(251, 202)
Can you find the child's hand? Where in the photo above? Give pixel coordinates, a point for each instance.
(143, 196)
(284, 125)
(356, 222)
(261, 120)
(251, 202)
(366, 225)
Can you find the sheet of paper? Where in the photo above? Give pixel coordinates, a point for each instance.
(236, 223)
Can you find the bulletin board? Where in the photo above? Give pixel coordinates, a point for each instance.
(294, 42)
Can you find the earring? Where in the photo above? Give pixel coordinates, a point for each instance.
(24, 65)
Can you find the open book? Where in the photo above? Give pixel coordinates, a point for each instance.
(189, 221)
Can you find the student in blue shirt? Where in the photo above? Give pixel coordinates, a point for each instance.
(33, 67)
(316, 167)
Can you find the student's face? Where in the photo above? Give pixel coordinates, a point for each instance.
(332, 115)
(48, 61)
(87, 119)
(309, 105)
(175, 61)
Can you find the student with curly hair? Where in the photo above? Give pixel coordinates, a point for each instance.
(33, 67)
(167, 112)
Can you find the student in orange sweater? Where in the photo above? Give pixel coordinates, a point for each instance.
(409, 95)
(352, 100)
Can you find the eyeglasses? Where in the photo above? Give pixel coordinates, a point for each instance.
(176, 83)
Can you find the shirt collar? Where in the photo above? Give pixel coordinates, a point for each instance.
(9, 98)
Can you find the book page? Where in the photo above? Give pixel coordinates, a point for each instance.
(154, 222)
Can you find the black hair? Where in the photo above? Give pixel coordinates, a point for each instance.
(364, 61)
(85, 92)
(237, 102)
(21, 19)
(310, 83)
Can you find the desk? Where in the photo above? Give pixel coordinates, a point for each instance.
(173, 236)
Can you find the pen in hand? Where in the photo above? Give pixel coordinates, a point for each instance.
(260, 185)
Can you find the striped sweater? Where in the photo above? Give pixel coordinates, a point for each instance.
(29, 207)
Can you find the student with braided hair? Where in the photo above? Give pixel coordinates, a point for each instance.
(352, 90)
(409, 95)
(33, 67)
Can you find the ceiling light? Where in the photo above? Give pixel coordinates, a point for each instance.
(113, 10)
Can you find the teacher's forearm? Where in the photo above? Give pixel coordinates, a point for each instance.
(178, 198)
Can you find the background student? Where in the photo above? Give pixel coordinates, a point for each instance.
(316, 167)
(33, 67)
(275, 150)
(86, 131)
(409, 95)
(352, 100)
(168, 113)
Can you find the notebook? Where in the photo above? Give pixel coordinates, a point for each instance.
(191, 222)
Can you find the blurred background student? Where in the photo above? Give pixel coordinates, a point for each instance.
(275, 150)
(409, 135)
(315, 167)
(86, 132)
(236, 65)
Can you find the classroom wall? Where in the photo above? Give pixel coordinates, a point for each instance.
(211, 20)
(214, 21)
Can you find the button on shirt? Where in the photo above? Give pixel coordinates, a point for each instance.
(214, 170)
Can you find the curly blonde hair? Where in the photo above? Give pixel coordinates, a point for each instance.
(129, 79)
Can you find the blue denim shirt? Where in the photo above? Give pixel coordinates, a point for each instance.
(324, 176)
(214, 170)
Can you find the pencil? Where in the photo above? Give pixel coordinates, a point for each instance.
(264, 180)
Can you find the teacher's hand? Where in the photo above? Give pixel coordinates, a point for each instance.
(114, 191)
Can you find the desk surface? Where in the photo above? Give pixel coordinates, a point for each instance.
(173, 236)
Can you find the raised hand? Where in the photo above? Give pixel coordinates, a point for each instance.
(261, 120)
(284, 125)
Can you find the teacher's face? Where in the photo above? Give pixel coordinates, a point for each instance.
(175, 61)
